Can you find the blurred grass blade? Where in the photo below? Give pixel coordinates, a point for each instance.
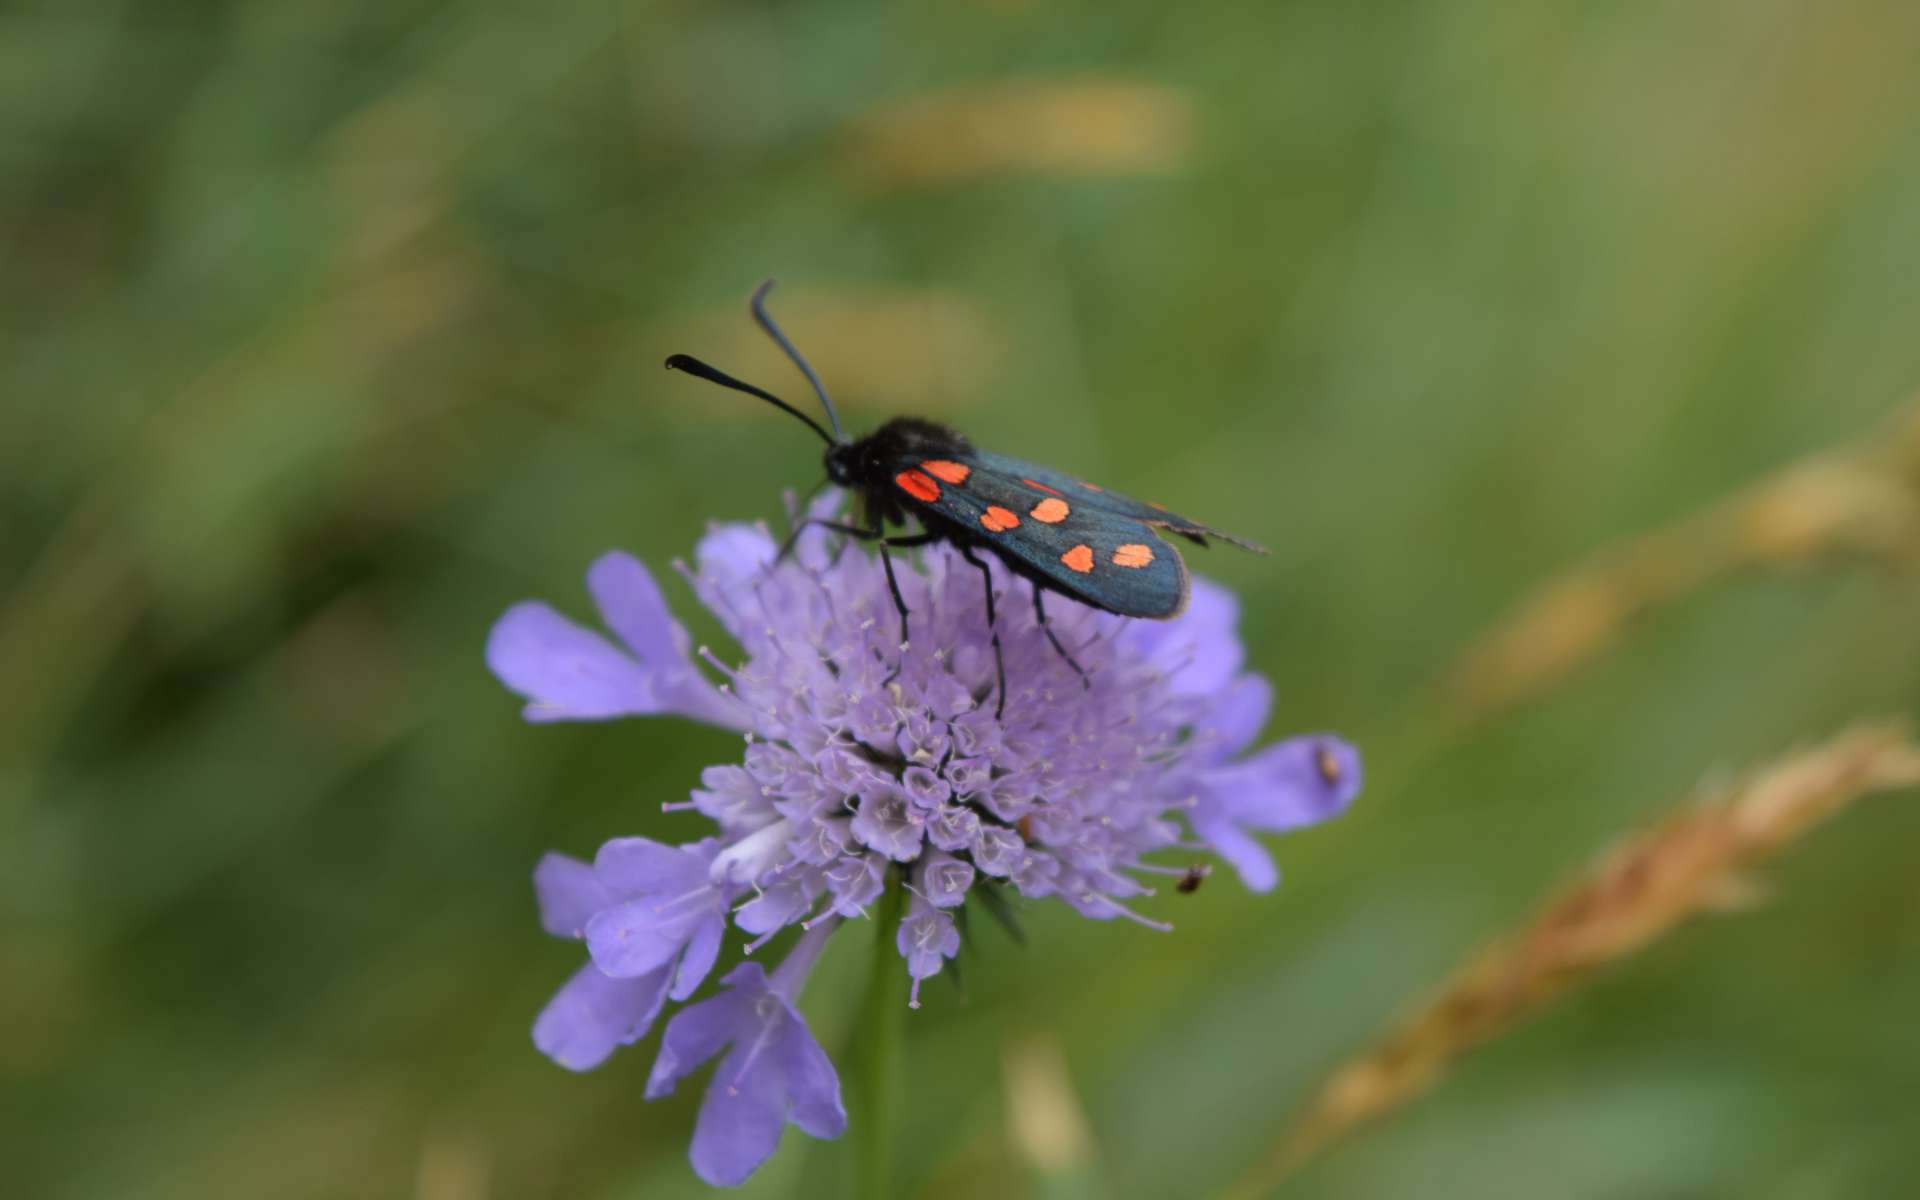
(1861, 504)
(1691, 862)
(1058, 128)
(1046, 1124)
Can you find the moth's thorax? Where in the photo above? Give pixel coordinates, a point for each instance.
(862, 462)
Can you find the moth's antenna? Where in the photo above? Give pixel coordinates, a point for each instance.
(693, 366)
(765, 319)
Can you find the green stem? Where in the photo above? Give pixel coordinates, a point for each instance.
(878, 1037)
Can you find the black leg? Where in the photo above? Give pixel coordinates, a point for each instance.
(902, 541)
(899, 601)
(805, 504)
(852, 531)
(1040, 614)
(993, 627)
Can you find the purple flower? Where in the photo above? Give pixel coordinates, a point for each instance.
(573, 674)
(650, 943)
(927, 939)
(774, 1073)
(867, 761)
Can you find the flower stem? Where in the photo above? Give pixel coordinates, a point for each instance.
(878, 1037)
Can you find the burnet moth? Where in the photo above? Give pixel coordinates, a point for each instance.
(1060, 533)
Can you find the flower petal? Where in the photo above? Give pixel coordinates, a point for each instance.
(944, 879)
(734, 551)
(1242, 852)
(632, 866)
(1239, 713)
(885, 823)
(1301, 781)
(568, 673)
(927, 938)
(632, 605)
(856, 881)
(635, 937)
(813, 1086)
(775, 1072)
(702, 949)
(1199, 648)
(592, 1015)
(568, 894)
(699, 1031)
(729, 558)
(780, 903)
(741, 1118)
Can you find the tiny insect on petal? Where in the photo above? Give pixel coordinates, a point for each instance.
(1327, 765)
(947, 472)
(1080, 558)
(1133, 554)
(919, 485)
(1050, 511)
(998, 520)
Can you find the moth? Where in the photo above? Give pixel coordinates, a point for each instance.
(1056, 530)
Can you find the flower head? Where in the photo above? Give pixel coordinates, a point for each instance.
(869, 760)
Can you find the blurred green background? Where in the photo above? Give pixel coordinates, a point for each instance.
(331, 329)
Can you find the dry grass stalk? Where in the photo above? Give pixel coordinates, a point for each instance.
(1850, 505)
(1691, 862)
(1058, 128)
(1045, 1123)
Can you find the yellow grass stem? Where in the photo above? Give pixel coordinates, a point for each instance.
(1857, 504)
(1637, 891)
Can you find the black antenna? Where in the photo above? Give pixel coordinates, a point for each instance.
(765, 319)
(693, 366)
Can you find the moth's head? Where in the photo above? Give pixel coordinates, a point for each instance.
(843, 463)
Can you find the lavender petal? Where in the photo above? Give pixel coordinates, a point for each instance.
(569, 894)
(592, 1015)
(566, 673)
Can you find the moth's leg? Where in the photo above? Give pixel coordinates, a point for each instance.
(993, 627)
(902, 541)
(1040, 614)
(893, 585)
(852, 531)
(878, 536)
(803, 505)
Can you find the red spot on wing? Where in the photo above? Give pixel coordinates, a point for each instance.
(1133, 554)
(919, 485)
(1050, 511)
(947, 472)
(1080, 558)
(998, 520)
(1091, 486)
(1035, 483)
